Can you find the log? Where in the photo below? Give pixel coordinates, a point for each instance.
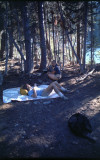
(85, 76)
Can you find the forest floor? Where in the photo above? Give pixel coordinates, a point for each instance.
(39, 128)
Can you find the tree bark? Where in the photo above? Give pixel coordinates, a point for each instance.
(6, 42)
(1, 88)
(81, 48)
(3, 38)
(91, 35)
(63, 46)
(28, 64)
(72, 62)
(42, 37)
(45, 23)
(18, 49)
(85, 32)
(53, 33)
(49, 51)
(78, 40)
(11, 45)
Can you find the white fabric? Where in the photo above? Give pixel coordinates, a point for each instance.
(14, 94)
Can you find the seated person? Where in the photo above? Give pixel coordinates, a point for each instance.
(54, 72)
(35, 91)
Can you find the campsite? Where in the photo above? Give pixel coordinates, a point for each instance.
(32, 36)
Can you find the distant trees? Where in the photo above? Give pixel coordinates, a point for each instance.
(55, 30)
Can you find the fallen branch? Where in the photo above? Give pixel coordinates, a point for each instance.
(85, 76)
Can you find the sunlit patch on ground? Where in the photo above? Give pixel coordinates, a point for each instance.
(5, 107)
(91, 107)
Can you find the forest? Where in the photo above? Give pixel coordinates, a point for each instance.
(32, 35)
(37, 32)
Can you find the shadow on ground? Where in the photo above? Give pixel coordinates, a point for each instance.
(36, 129)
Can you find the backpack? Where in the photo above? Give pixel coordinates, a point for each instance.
(80, 125)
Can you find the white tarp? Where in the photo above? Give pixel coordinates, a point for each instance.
(14, 94)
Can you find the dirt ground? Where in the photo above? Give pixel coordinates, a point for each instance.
(35, 129)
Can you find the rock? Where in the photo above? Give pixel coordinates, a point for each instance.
(75, 142)
(16, 124)
(33, 126)
(51, 148)
(95, 138)
(32, 135)
(22, 132)
(46, 145)
(39, 74)
(25, 137)
(36, 102)
(48, 102)
(27, 125)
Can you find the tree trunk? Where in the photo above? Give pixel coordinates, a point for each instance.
(19, 39)
(6, 64)
(1, 89)
(48, 28)
(21, 54)
(78, 40)
(81, 48)
(49, 51)
(11, 45)
(6, 24)
(42, 38)
(3, 38)
(49, 32)
(72, 54)
(48, 47)
(32, 46)
(57, 47)
(53, 33)
(91, 35)
(55, 44)
(85, 32)
(63, 47)
(28, 64)
(45, 23)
